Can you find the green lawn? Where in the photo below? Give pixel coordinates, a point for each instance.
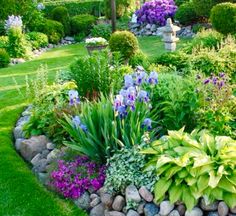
(20, 192)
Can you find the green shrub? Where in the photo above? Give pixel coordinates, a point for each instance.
(2, 28)
(37, 39)
(82, 23)
(4, 58)
(191, 166)
(101, 30)
(203, 7)
(18, 46)
(178, 59)
(4, 41)
(93, 7)
(92, 75)
(186, 14)
(124, 42)
(204, 39)
(175, 102)
(80, 37)
(61, 15)
(139, 58)
(198, 27)
(223, 18)
(53, 29)
(123, 7)
(180, 2)
(126, 167)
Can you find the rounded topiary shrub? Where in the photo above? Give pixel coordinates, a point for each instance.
(53, 29)
(37, 39)
(101, 30)
(186, 14)
(124, 42)
(82, 23)
(180, 2)
(61, 15)
(203, 7)
(223, 18)
(4, 58)
(4, 41)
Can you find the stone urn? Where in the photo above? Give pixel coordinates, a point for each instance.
(92, 48)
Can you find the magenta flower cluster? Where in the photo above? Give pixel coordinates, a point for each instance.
(72, 179)
(156, 12)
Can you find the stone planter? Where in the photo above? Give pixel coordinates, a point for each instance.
(91, 48)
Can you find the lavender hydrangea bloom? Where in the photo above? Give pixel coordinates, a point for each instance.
(13, 22)
(156, 12)
(74, 97)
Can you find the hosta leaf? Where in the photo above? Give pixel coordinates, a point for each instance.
(191, 180)
(188, 198)
(209, 142)
(178, 135)
(232, 179)
(226, 185)
(217, 193)
(202, 160)
(163, 160)
(148, 151)
(170, 172)
(175, 193)
(161, 187)
(214, 179)
(230, 199)
(183, 173)
(202, 182)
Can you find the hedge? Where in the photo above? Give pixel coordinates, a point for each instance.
(76, 7)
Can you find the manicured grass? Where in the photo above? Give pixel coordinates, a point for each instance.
(20, 191)
(153, 46)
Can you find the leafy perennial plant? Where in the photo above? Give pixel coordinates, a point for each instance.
(194, 165)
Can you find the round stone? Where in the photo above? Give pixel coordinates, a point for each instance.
(223, 209)
(150, 209)
(166, 207)
(194, 212)
(181, 209)
(119, 203)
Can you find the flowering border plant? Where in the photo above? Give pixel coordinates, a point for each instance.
(96, 41)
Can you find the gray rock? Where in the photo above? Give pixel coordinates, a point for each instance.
(43, 178)
(166, 207)
(181, 209)
(18, 143)
(150, 209)
(131, 212)
(223, 209)
(93, 196)
(50, 146)
(107, 199)
(115, 213)
(53, 155)
(148, 26)
(208, 207)
(98, 210)
(95, 202)
(27, 111)
(23, 120)
(45, 153)
(140, 208)
(194, 212)
(148, 33)
(35, 160)
(153, 27)
(233, 210)
(83, 202)
(232, 214)
(69, 39)
(101, 191)
(146, 194)
(18, 132)
(131, 194)
(119, 203)
(174, 213)
(40, 166)
(213, 213)
(30, 147)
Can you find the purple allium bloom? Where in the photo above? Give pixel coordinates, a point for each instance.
(206, 81)
(156, 12)
(128, 81)
(153, 78)
(147, 123)
(74, 97)
(143, 96)
(72, 179)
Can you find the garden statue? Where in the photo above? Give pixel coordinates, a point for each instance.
(134, 18)
(169, 35)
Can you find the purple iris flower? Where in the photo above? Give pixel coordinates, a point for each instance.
(143, 96)
(147, 122)
(74, 97)
(122, 111)
(206, 81)
(131, 93)
(140, 77)
(128, 81)
(78, 124)
(118, 101)
(153, 78)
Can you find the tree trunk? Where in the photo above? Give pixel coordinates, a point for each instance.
(113, 15)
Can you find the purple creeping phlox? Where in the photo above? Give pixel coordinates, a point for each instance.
(156, 12)
(218, 81)
(73, 97)
(72, 179)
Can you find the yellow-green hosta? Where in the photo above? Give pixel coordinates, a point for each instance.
(190, 166)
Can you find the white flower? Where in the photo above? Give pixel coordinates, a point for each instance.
(96, 41)
(13, 22)
(40, 6)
